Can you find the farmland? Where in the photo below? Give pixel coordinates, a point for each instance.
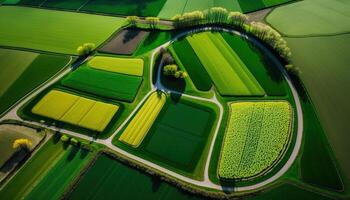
(105, 84)
(256, 139)
(22, 71)
(118, 65)
(142, 122)
(118, 180)
(70, 29)
(75, 110)
(124, 101)
(236, 79)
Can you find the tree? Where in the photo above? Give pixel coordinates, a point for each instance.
(170, 70)
(152, 21)
(64, 138)
(74, 141)
(22, 144)
(216, 15)
(237, 19)
(132, 20)
(86, 49)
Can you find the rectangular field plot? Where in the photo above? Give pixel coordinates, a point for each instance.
(102, 83)
(125, 7)
(53, 31)
(256, 137)
(141, 123)
(179, 134)
(129, 66)
(194, 67)
(264, 70)
(115, 179)
(229, 74)
(125, 42)
(75, 110)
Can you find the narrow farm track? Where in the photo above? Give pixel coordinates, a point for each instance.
(206, 183)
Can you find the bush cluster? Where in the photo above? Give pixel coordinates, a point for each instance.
(173, 70)
(86, 49)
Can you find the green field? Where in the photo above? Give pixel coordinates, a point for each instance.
(21, 72)
(228, 72)
(125, 7)
(53, 31)
(62, 4)
(194, 67)
(61, 175)
(312, 17)
(179, 134)
(102, 83)
(265, 71)
(254, 141)
(326, 78)
(317, 166)
(115, 180)
(35, 169)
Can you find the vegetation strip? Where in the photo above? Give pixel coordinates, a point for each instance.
(75, 110)
(257, 135)
(143, 120)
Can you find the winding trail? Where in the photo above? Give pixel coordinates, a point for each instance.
(206, 183)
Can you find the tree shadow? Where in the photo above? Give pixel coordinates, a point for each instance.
(227, 185)
(72, 153)
(175, 97)
(129, 34)
(16, 158)
(156, 182)
(83, 153)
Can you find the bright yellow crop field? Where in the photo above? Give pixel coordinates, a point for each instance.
(129, 66)
(76, 110)
(143, 120)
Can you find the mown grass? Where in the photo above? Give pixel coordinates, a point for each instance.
(104, 84)
(139, 126)
(19, 75)
(256, 137)
(53, 31)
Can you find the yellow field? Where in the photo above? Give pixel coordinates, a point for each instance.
(142, 122)
(75, 110)
(130, 66)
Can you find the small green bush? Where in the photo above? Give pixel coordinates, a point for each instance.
(133, 20)
(86, 49)
(74, 141)
(64, 138)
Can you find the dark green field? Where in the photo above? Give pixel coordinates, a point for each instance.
(61, 175)
(179, 134)
(64, 4)
(32, 74)
(110, 179)
(194, 67)
(104, 84)
(265, 71)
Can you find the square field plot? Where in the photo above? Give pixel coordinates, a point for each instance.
(180, 133)
(76, 110)
(103, 83)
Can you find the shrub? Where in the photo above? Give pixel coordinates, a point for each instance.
(170, 70)
(64, 138)
(22, 143)
(74, 141)
(133, 20)
(86, 49)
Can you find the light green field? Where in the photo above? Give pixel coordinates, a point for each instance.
(228, 72)
(130, 66)
(54, 31)
(312, 17)
(256, 137)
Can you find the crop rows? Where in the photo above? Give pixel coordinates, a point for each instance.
(256, 136)
(142, 122)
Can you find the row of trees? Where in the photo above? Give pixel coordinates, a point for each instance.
(151, 21)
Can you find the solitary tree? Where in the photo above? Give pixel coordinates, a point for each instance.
(22, 144)
(133, 20)
(64, 138)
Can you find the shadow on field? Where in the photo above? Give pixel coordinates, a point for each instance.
(72, 153)
(156, 182)
(17, 157)
(227, 185)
